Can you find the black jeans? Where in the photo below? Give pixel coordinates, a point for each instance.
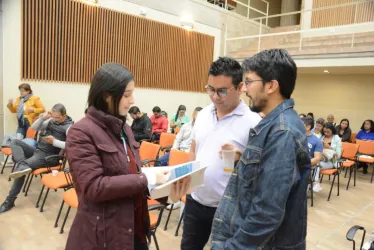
(139, 245)
(197, 224)
(23, 126)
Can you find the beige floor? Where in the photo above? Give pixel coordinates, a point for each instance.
(25, 228)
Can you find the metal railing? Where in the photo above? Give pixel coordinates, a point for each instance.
(225, 4)
(312, 32)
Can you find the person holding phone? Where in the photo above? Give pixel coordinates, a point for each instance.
(27, 107)
(179, 118)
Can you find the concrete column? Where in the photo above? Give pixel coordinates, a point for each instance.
(289, 6)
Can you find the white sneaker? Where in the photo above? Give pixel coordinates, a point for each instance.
(176, 206)
(317, 187)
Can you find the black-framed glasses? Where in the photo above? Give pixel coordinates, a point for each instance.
(248, 82)
(220, 92)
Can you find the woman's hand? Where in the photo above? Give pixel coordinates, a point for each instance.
(11, 101)
(47, 115)
(228, 146)
(162, 177)
(30, 110)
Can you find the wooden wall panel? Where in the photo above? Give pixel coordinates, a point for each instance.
(341, 15)
(67, 41)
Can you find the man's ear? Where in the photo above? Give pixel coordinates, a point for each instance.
(273, 86)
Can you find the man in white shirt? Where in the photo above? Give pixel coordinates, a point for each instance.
(182, 141)
(226, 120)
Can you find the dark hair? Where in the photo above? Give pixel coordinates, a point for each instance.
(156, 109)
(274, 64)
(227, 67)
(371, 125)
(321, 121)
(26, 87)
(86, 111)
(112, 79)
(164, 113)
(310, 114)
(303, 115)
(181, 107)
(344, 120)
(134, 110)
(59, 108)
(308, 122)
(330, 125)
(198, 109)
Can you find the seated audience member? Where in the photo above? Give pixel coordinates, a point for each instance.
(315, 148)
(344, 131)
(163, 113)
(367, 131)
(141, 126)
(53, 127)
(331, 118)
(159, 123)
(332, 150)
(183, 140)
(302, 116)
(318, 130)
(179, 118)
(310, 115)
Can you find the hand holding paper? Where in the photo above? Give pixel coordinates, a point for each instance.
(180, 188)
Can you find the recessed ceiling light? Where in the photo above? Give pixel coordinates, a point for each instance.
(326, 71)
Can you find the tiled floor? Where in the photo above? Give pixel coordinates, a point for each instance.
(25, 228)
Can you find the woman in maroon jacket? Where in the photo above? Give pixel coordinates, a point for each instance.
(106, 169)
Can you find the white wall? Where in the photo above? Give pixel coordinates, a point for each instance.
(74, 96)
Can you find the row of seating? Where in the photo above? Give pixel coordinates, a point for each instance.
(352, 155)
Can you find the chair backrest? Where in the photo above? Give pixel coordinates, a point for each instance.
(31, 134)
(349, 150)
(177, 157)
(167, 139)
(366, 147)
(148, 150)
(353, 137)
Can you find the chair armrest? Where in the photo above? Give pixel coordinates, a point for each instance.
(352, 232)
(52, 158)
(166, 148)
(146, 162)
(155, 207)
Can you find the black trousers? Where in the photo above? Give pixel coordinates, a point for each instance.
(197, 224)
(139, 245)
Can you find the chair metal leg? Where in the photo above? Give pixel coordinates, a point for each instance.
(346, 170)
(372, 175)
(332, 185)
(28, 186)
(179, 224)
(40, 196)
(350, 175)
(155, 239)
(354, 179)
(337, 173)
(66, 217)
(45, 198)
(311, 192)
(14, 166)
(6, 160)
(25, 183)
(167, 220)
(59, 213)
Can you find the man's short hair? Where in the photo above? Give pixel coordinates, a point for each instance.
(227, 67)
(59, 108)
(308, 121)
(321, 121)
(198, 109)
(274, 64)
(134, 110)
(156, 109)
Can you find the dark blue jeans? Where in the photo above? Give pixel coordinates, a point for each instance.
(23, 126)
(197, 224)
(164, 160)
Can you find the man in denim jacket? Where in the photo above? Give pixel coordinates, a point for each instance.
(265, 202)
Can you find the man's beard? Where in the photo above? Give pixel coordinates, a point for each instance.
(258, 106)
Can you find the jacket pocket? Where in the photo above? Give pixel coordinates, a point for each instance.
(109, 158)
(249, 163)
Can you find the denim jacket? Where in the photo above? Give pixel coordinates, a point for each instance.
(265, 202)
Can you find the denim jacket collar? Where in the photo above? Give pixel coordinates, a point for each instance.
(287, 104)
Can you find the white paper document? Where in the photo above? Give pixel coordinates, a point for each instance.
(175, 173)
